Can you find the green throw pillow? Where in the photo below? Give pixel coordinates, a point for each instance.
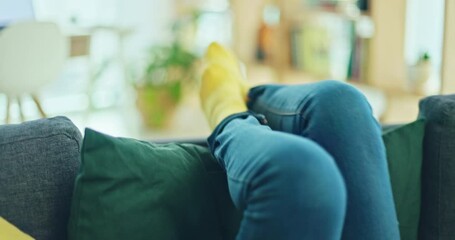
(130, 189)
(404, 146)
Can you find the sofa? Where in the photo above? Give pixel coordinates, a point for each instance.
(40, 162)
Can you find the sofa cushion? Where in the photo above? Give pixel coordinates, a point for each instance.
(404, 157)
(38, 163)
(130, 189)
(438, 176)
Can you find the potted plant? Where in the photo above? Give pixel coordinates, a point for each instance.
(420, 73)
(159, 89)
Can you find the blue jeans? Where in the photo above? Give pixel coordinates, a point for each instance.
(313, 168)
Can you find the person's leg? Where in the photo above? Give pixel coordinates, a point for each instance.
(287, 186)
(338, 118)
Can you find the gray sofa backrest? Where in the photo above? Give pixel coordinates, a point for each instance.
(437, 219)
(39, 161)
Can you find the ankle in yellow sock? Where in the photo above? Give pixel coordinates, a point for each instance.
(220, 94)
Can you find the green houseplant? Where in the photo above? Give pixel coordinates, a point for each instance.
(159, 89)
(167, 71)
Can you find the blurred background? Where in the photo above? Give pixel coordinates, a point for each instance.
(131, 68)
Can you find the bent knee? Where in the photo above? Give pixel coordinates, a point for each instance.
(301, 164)
(335, 98)
(336, 91)
(303, 176)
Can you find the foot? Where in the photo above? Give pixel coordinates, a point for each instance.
(226, 58)
(220, 93)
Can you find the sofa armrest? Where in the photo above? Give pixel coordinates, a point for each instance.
(39, 161)
(438, 168)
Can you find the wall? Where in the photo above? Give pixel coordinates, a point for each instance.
(448, 69)
(387, 69)
(247, 19)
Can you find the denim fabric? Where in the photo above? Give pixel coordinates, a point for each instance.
(291, 177)
(212, 143)
(438, 178)
(287, 186)
(38, 164)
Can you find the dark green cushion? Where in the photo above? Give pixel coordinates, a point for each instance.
(129, 189)
(404, 157)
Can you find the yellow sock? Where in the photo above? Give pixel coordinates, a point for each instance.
(8, 231)
(223, 56)
(220, 94)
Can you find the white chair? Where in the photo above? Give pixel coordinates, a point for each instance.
(31, 56)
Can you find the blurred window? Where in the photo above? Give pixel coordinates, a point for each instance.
(424, 35)
(15, 10)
